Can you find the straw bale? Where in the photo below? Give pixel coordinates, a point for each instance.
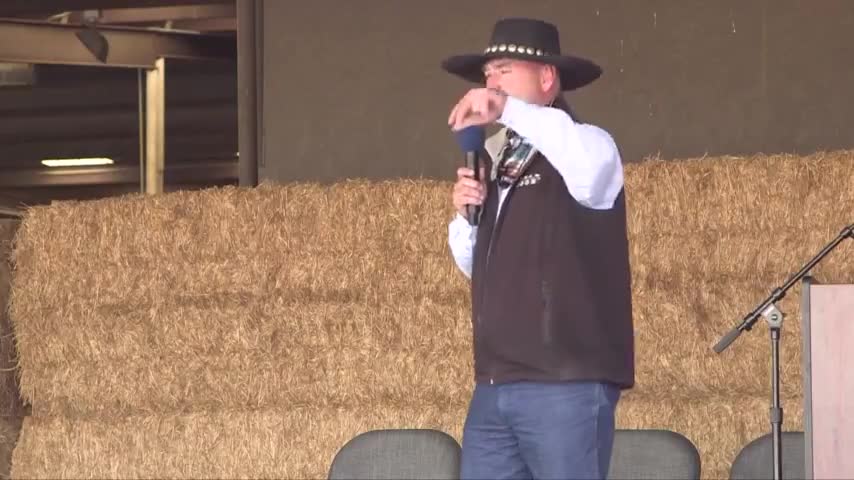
(250, 355)
(264, 355)
(758, 257)
(380, 276)
(761, 193)
(350, 243)
(293, 443)
(244, 354)
(301, 442)
(229, 222)
(675, 334)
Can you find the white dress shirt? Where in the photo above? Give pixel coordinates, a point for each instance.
(585, 156)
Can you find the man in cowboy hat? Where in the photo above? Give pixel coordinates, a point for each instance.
(548, 261)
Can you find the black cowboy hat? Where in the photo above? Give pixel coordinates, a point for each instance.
(525, 39)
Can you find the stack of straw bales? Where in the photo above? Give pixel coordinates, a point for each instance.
(250, 333)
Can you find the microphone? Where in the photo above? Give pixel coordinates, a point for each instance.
(471, 141)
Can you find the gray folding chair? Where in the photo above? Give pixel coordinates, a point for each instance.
(755, 460)
(653, 455)
(398, 454)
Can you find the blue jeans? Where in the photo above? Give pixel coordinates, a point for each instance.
(539, 430)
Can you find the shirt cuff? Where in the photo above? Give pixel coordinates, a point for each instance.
(514, 111)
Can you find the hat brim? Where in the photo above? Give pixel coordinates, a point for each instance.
(575, 72)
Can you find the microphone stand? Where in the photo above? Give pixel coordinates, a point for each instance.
(774, 318)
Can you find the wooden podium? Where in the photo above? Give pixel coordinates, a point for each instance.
(827, 326)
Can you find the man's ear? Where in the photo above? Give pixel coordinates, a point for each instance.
(548, 77)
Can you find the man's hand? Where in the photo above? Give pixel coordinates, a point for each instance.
(479, 106)
(467, 190)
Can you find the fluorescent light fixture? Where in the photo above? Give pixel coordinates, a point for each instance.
(77, 162)
(17, 74)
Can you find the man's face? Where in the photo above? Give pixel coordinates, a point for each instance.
(529, 81)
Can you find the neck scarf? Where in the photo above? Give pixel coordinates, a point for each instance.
(514, 158)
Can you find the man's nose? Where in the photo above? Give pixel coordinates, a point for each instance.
(492, 82)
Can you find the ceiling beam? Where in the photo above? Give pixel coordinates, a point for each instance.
(52, 43)
(48, 7)
(191, 173)
(206, 25)
(129, 16)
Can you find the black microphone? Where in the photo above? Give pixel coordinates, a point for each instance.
(471, 141)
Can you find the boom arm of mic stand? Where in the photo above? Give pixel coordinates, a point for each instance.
(780, 292)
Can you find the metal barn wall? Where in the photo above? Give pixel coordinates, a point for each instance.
(354, 89)
(76, 111)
